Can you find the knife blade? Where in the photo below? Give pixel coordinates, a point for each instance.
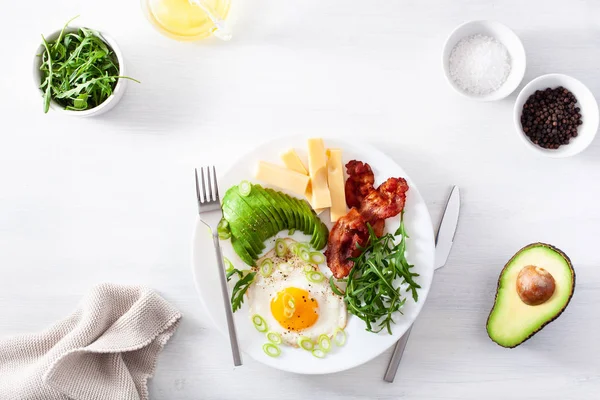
(444, 239)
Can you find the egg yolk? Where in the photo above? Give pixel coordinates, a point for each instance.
(294, 309)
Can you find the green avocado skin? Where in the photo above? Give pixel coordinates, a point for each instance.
(555, 316)
(262, 214)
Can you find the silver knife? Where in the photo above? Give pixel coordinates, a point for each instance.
(443, 244)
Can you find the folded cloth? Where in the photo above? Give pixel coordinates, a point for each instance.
(106, 350)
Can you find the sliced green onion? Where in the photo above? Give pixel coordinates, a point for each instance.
(299, 247)
(291, 231)
(304, 246)
(334, 287)
(266, 267)
(319, 353)
(306, 343)
(293, 248)
(339, 337)
(280, 248)
(289, 305)
(304, 255)
(308, 268)
(274, 337)
(317, 257)
(288, 312)
(245, 188)
(228, 265)
(285, 267)
(288, 300)
(315, 276)
(325, 343)
(223, 229)
(259, 323)
(271, 350)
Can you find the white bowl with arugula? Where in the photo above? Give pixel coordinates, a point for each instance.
(79, 71)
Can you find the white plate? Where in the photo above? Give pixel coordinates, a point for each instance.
(361, 346)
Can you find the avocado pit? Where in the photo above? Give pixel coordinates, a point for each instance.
(535, 285)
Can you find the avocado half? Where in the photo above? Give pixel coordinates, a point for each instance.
(534, 288)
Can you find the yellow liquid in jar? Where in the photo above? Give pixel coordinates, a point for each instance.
(184, 21)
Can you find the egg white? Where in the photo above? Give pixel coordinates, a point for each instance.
(331, 307)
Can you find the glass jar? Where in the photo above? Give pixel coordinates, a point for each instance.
(182, 20)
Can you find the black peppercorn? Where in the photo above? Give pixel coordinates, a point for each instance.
(550, 117)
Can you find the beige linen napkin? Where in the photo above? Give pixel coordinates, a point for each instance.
(106, 350)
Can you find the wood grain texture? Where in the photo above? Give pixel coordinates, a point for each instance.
(112, 198)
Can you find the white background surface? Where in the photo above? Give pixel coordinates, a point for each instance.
(111, 199)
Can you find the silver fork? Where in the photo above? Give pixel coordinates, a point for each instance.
(209, 208)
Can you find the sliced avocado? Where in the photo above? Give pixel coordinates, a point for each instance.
(534, 288)
(257, 209)
(246, 241)
(323, 236)
(272, 211)
(320, 235)
(259, 215)
(248, 249)
(242, 252)
(297, 210)
(307, 220)
(299, 214)
(256, 222)
(241, 229)
(288, 208)
(275, 206)
(281, 206)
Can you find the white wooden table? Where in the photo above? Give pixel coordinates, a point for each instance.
(112, 198)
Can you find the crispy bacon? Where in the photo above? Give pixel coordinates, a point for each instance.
(378, 227)
(385, 202)
(359, 183)
(347, 232)
(367, 204)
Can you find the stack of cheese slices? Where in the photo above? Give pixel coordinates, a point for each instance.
(322, 183)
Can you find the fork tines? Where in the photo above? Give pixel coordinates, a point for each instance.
(208, 179)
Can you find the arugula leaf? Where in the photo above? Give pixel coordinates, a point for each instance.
(373, 292)
(79, 70)
(241, 286)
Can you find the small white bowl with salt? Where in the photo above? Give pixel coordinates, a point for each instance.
(484, 60)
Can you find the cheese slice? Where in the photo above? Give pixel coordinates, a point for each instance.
(282, 177)
(317, 169)
(335, 180)
(309, 197)
(291, 160)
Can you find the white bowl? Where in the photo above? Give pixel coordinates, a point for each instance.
(109, 103)
(589, 114)
(504, 35)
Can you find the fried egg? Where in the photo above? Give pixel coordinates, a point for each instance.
(293, 305)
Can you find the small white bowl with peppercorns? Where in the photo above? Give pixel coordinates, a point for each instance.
(556, 115)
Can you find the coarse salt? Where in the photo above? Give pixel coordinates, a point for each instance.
(479, 64)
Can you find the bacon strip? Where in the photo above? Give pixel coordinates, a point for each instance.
(348, 232)
(367, 205)
(385, 202)
(359, 183)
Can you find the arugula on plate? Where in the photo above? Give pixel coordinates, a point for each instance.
(246, 277)
(374, 285)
